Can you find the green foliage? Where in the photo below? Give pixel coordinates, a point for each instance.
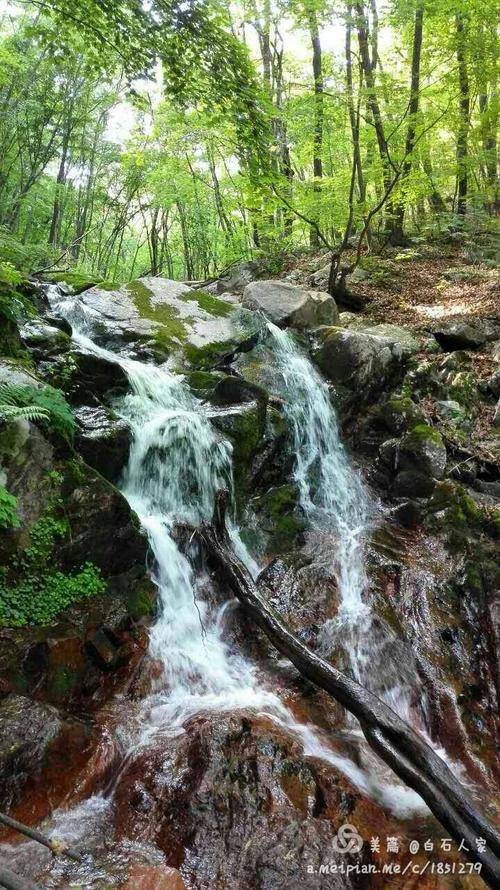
(8, 509)
(37, 600)
(32, 589)
(44, 403)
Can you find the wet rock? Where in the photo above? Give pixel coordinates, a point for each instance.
(496, 416)
(102, 525)
(241, 275)
(285, 304)
(236, 805)
(388, 453)
(423, 450)
(408, 514)
(364, 361)
(27, 728)
(43, 339)
(150, 877)
(400, 414)
(95, 377)
(103, 440)
(459, 335)
(412, 484)
(279, 517)
(232, 390)
(244, 425)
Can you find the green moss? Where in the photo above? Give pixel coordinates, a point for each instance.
(32, 588)
(202, 382)
(278, 511)
(423, 432)
(208, 355)
(212, 305)
(61, 681)
(8, 509)
(173, 328)
(141, 603)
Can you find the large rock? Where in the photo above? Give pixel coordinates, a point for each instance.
(160, 317)
(285, 304)
(26, 730)
(452, 335)
(363, 361)
(241, 275)
(423, 450)
(44, 339)
(103, 439)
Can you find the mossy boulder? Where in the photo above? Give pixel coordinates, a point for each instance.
(423, 450)
(244, 426)
(159, 317)
(400, 414)
(44, 340)
(103, 439)
(279, 517)
(363, 362)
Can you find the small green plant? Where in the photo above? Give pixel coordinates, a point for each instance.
(38, 600)
(9, 274)
(33, 590)
(43, 403)
(8, 509)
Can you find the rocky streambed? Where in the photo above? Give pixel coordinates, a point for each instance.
(163, 783)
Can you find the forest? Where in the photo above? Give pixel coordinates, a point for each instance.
(178, 139)
(249, 444)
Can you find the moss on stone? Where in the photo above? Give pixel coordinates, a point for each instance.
(141, 603)
(277, 509)
(422, 432)
(213, 305)
(202, 382)
(172, 330)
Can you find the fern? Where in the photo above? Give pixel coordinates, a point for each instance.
(37, 403)
(29, 412)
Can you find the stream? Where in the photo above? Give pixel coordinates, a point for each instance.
(177, 463)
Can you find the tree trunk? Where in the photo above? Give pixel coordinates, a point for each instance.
(463, 128)
(353, 118)
(317, 64)
(395, 742)
(396, 228)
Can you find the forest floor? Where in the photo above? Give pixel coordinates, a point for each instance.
(421, 289)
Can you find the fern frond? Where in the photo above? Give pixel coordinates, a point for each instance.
(29, 412)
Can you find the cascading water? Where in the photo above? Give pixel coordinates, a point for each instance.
(177, 463)
(331, 494)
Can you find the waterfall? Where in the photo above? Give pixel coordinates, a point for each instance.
(332, 495)
(177, 463)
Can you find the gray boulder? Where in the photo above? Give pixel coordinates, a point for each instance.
(44, 339)
(167, 317)
(364, 360)
(286, 304)
(473, 334)
(241, 275)
(423, 450)
(103, 440)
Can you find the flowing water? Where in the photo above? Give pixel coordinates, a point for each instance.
(176, 465)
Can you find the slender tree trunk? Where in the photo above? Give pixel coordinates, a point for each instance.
(372, 100)
(317, 64)
(463, 128)
(353, 119)
(55, 223)
(396, 228)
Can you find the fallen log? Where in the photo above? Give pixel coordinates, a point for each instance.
(56, 847)
(401, 747)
